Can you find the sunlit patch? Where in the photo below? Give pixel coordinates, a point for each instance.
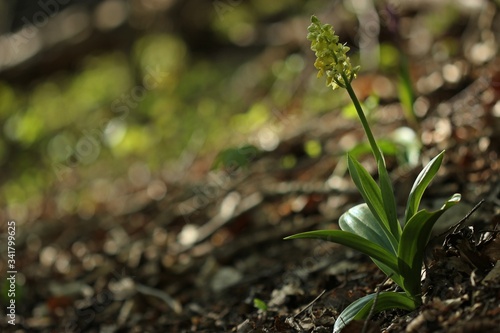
(92, 261)
(62, 263)
(110, 247)
(496, 109)
(115, 131)
(48, 256)
(443, 130)
(79, 249)
(267, 139)
(482, 52)
(430, 83)
(118, 238)
(123, 288)
(298, 203)
(20, 46)
(348, 141)
(484, 143)
(451, 73)
(188, 235)
(421, 106)
(229, 204)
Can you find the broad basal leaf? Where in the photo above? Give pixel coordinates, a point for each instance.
(359, 309)
(369, 190)
(360, 220)
(414, 239)
(355, 242)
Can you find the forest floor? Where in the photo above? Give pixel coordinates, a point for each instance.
(210, 256)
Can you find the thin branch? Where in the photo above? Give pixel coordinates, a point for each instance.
(370, 314)
(454, 228)
(310, 304)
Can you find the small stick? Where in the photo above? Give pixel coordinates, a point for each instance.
(310, 304)
(365, 325)
(459, 224)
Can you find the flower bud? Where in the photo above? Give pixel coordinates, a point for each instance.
(331, 56)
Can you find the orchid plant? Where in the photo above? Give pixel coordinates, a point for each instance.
(373, 227)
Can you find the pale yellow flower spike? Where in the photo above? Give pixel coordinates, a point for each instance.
(331, 56)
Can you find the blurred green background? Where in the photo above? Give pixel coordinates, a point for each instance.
(166, 84)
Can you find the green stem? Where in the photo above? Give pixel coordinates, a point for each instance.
(388, 198)
(376, 150)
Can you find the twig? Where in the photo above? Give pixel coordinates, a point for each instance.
(460, 223)
(219, 220)
(291, 320)
(310, 304)
(171, 302)
(370, 314)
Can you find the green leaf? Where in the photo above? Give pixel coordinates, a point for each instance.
(414, 239)
(259, 304)
(395, 275)
(388, 148)
(355, 242)
(234, 158)
(360, 220)
(360, 309)
(421, 183)
(369, 190)
(389, 200)
(406, 97)
(405, 91)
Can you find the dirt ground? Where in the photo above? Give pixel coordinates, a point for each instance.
(210, 256)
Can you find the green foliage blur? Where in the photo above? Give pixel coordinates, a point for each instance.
(63, 133)
(68, 135)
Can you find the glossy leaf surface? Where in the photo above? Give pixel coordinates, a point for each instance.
(355, 242)
(414, 239)
(369, 190)
(359, 309)
(388, 200)
(421, 183)
(360, 220)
